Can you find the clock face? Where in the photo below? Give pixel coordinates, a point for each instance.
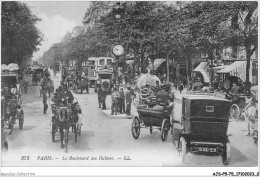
(118, 50)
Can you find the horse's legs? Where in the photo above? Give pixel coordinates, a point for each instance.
(61, 135)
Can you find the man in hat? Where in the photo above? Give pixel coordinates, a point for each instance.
(197, 86)
(115, 100)
(164, 97)
(128, 101)
(122, 101)
(66, 94)
(157, 87)
(235, 88)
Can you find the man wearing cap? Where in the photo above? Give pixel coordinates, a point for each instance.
(197, 86)
(122, 101)
(235, 88)
(115, 100)
(66, 94)
(164, 97)
(157, 87)
(128, 101)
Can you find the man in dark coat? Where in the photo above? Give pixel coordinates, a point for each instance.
(128, 101)
(197, 86)
(122, 101)
(66, 94)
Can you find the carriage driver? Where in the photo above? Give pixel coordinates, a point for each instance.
(66, 93)
(164, 98)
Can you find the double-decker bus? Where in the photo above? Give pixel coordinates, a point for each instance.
(100, 71)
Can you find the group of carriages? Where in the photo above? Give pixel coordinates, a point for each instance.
(75, 81)
(11, 101)
(202, 126)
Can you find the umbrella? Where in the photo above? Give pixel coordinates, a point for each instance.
(147, 79)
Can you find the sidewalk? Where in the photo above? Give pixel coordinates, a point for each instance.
(107, 112)
(179, 95)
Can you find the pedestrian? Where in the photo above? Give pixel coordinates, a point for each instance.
(181, 86)
(122, 101)
(235, 88)
(103, 99)
(44, 101)
(99, 91)
(197, 86)
(128, 101)
(221, 84)
(25, 86)
(115, 100)
(157, 87)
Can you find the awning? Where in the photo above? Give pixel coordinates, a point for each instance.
(238, 69)
(219, 67)
(202, 68)
(157, 63)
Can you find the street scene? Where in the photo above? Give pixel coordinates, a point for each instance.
(136, 84)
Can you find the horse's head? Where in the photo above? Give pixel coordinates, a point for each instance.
(63, 114)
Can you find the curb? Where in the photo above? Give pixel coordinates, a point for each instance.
(119, 116)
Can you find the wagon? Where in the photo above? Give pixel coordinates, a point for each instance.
(202, 129)
(65, 117)
(12, 100)
(81, 85)
(152, 119)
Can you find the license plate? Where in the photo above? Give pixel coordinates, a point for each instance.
(207, 149)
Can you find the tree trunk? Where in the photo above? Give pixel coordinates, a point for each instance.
(211, 58)
(168, 68)
(187, 71)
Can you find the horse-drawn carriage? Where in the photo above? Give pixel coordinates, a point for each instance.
(37, 75)
(81, 85)
(153, 119)
(12, 100)
(202, 129)
(65, 116)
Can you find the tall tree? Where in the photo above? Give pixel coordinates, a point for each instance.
(20, 37)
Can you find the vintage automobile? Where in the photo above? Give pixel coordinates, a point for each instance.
(202, 129)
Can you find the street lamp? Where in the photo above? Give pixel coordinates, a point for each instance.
(117, 49)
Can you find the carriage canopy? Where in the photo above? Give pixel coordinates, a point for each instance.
(147, 79)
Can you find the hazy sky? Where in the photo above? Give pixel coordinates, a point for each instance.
(57, 18)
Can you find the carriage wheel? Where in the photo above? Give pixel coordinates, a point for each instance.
(79, 129)
(53, 131)
(77, 90)
(151, 129)
(66, 140)
(75, 132)
(164, 129)
(226, 154)
(235, 112)
(21, 119)
(5, 147)
(183, 149)
(255, 137)
(136, 127)
(40, 92)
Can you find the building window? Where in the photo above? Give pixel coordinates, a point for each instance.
(102, 62)
(109, 61)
